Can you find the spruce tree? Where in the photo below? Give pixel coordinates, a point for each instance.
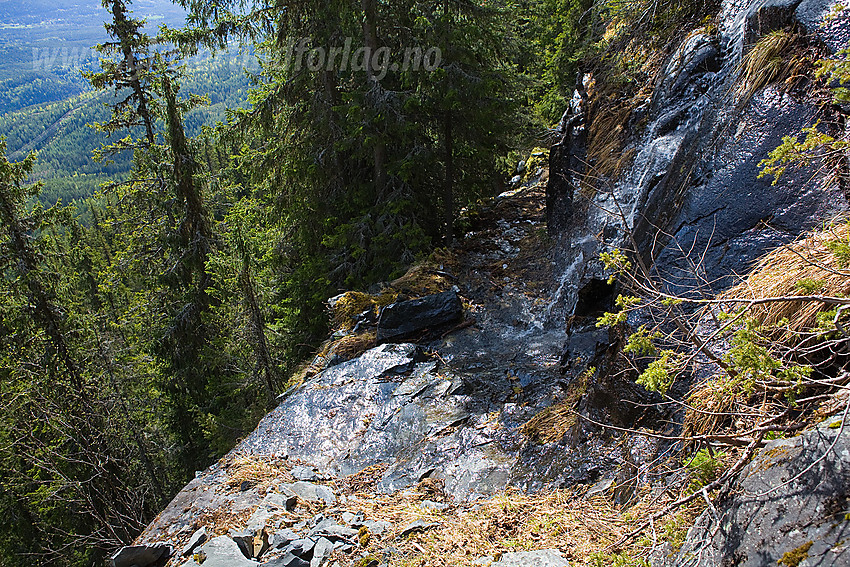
(76, 476)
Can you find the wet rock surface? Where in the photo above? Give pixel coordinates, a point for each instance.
(793, 497)
(690, 203)
(448, 412)
(692, 197)
(820, 17)
(453, 415)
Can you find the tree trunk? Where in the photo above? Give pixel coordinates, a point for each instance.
(448, 188)
(379, 152)
(119, 13)
(196, 232)
(257, 325)
(42, 309)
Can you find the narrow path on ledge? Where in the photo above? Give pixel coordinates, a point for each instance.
(439, 423)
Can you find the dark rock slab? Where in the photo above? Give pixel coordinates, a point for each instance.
(794, 492)
(301, 547)
(418, 526)
(699, 55)
(769, 15)
(245, 541)
(142, 555)
(405, 318)
(816, 18)
(387, 407)
(567, 159)
(319, 421)
(198, 538)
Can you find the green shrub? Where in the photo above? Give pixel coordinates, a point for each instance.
(704, 467)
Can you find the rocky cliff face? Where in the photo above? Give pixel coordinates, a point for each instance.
(693, 187)
(691, 202)
(474, 406)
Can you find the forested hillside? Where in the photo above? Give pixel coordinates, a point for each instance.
(146, 330)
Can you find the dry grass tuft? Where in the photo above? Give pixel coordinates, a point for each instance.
(221, 520)
(765, 63)
(257, 472)
(423, 279)
(511, 521)
(352, 346)
(710, 404)
(365, 479)
(626, 80)
(305, 371)
(432, 488)
(606, 140)
(551, 424)
(812, 266)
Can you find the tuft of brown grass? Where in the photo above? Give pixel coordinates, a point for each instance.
(624, 81)
(606, 140)
(258, 472)
(766, 62)
(352, 346)
(432, 488)
(365, 479)
(304, 372)
(710, 404)
(422, 279)
(220, 521)
(813, 265)
(510, 521)
(551, 424)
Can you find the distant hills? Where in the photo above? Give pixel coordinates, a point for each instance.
(46, 104)
(43, 13)
(45, 43)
